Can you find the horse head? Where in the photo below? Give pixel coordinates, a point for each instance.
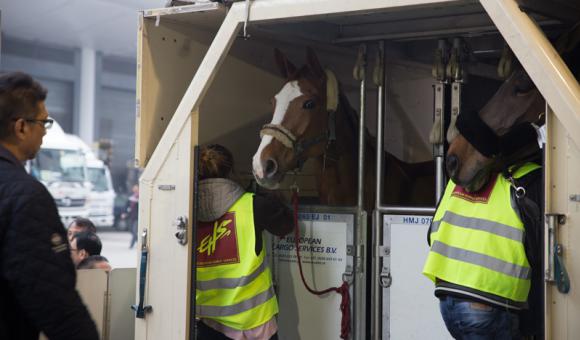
(301, 111)
(473, 153)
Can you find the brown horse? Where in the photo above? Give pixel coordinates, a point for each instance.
(516, 101)
(313, 120)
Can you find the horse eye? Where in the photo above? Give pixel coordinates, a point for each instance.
(309, 104)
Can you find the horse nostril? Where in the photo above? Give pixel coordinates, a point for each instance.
(271, 168)
(452, 165)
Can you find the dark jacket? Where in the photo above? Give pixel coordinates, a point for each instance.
(37, 276)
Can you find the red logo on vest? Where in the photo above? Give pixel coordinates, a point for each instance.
(217, 242)
(481, 196)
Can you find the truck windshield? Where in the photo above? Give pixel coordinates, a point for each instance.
(98, 179)
(51, 165)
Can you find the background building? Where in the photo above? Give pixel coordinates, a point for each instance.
(84, 52)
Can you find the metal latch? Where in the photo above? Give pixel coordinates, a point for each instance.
(555, 267)
(181, 225)
(385, 278)
(348, 274)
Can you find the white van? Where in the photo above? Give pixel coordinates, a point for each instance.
(101, 199)
(61, 167)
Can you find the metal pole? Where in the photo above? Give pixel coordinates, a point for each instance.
(361, 131)
(377, 225)
(439, 114)
(360, 235)
(407, 210)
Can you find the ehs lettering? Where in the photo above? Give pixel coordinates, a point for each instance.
(209, 242)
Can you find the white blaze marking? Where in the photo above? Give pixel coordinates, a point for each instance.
(289, 92)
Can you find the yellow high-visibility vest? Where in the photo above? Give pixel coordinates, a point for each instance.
(479, 242)
(233, 285)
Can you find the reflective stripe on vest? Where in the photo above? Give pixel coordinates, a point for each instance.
(480, 243)
(234, 285)
(216, 311)
(224, 283)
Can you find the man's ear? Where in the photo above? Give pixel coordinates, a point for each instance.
(20, 128)
(83, 254)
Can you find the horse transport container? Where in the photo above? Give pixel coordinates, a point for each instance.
(207, 73)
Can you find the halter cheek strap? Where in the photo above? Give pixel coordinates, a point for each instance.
(478, 134)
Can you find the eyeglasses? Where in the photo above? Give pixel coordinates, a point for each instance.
(47, 123)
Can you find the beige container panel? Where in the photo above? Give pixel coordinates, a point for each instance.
(168, 57)
(168, 271)
(563, 163)
(236, 106)
(92, 286)
(120, 316)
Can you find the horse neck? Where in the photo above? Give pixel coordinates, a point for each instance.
(337, 179)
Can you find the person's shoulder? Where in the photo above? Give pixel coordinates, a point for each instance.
(20, 185)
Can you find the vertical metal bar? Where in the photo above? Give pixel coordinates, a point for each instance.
(361, 135)
(360, 273)
(438, 149)
(377, 225)
(193, 244)
(550, 245)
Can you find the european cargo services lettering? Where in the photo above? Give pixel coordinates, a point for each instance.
(306, 244)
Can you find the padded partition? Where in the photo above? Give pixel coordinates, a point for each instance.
(410, 310)
(324, 236)
(92, 286)
(121, 296)
(108, 297)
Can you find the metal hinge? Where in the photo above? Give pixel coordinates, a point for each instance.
(181, 224)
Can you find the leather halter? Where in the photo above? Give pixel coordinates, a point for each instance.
(289, 139)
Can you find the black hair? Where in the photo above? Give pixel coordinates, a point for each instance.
(20, 95)
(84, 223)
(89, 262)
(88, 242)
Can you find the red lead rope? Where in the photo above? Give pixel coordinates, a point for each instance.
(342, 290)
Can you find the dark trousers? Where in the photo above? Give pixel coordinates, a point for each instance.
(134, 229)
(204, 332)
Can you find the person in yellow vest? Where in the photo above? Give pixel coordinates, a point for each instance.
(235, 298)
(484, 248)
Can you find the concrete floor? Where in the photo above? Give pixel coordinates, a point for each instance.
(116, 248)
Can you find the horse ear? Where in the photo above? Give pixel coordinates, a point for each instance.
(313, 63)
(287, 69)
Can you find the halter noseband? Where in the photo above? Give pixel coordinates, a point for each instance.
(289, 140)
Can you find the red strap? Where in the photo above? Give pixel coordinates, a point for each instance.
(342, 290)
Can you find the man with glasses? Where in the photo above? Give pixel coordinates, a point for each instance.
(83, 245)
(37, 276)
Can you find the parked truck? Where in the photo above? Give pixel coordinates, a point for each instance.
(101, 198)
(61, 166)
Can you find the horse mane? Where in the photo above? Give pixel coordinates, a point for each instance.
(352, 120)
